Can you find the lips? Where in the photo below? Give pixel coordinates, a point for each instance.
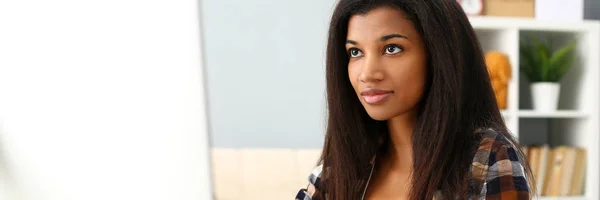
(375, 96)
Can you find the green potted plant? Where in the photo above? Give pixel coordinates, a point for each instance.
(544, 69)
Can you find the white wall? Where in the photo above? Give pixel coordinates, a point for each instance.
(266, 72)
(102, 100)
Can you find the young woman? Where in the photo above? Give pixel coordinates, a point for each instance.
(412, 114)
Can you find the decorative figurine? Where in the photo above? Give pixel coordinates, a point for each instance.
(499, 69)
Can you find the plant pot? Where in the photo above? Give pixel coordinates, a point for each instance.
(545, 96)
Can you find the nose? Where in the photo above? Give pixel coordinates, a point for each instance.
(371, 70)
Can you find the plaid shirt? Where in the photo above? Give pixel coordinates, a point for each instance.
(496, 173)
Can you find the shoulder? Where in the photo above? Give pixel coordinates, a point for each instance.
(497, 169)
(313, 190)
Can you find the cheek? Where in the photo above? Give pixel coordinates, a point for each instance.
(409, 79)
(353, 73)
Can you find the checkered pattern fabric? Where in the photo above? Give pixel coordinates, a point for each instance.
(496, 173)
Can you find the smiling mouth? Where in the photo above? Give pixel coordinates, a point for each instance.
(375, 96)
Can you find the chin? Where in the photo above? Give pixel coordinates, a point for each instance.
(383, 112)
(380, 114)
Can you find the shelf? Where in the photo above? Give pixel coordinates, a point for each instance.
(579, 88)
(562, 198)
(501, 23)
(554, 114)
(537, 114)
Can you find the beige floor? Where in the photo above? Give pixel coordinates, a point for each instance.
(265, 174)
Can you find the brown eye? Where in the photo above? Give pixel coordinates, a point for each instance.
(354, 52)
(393, 49)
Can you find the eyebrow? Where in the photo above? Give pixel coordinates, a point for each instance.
(383, 38)
(390, 36)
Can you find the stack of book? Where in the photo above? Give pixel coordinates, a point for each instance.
(557, 171)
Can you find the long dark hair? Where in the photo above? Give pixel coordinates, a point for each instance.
(458, 100)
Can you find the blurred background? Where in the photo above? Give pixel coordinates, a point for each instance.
(223, 99)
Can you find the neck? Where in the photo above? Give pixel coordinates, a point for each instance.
(400, 144)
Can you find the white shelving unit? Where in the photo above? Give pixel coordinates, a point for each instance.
(576, 121)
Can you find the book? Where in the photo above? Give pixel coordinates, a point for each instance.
(542, 166)
(568, 169)
(558, 171)
(554, 168)
(534, 153)
(579, 173)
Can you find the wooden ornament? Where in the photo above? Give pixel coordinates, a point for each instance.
(500, 72)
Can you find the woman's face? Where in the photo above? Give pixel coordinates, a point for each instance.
(388, 65)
